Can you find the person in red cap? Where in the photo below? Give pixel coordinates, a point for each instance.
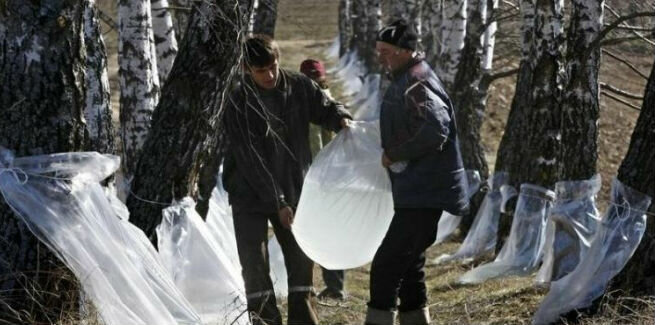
(318, 138)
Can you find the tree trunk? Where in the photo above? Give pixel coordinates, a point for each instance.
(638, 172)
(42, 105)
(184, 132)
(345, 27)
(359, 22)
(580, 99)
(409, 10)
(431, 13)
(139, 81)
(529, 149)
(265, 17)
(469, 97)
(97, 110)
(165, 40)
(373, 25)
(180, 16)
(453, 32)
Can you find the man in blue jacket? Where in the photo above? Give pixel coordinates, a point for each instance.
(421, 150)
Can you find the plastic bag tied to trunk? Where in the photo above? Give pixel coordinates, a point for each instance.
(200, 267)
(346, 205)
(481, 238)
(448, 223)
(619, 234)
(60, 199)
(522, 252)
(572, 223)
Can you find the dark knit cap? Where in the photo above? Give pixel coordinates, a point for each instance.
(400, 34)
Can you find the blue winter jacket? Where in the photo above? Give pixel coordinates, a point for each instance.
(417, 125)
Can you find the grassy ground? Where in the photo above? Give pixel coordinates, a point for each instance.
(306, 28)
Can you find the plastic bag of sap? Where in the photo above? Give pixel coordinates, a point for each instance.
(619, 234)
(448, 222)
(60, 199)
(522, 252)
(481, 238)
(346, 205)
(199, 266)
(571, 226)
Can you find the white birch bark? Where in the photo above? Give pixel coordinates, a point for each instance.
(430, 24)
(453, 31)
(489, 36)
(97, 106)
(345, 28)
(138, 77)
(373, 25)
(165, 38)
(409, 10)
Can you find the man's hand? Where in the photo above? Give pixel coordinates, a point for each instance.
(286, 217)
(386, 162)
(345, 123)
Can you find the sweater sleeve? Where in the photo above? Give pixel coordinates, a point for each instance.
(324, 111)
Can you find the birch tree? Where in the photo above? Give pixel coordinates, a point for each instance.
(358, 13)
(265, 17)
(637, 171)
(182, 143)
(431, 14)
(345, 27)
(409, 10)
(453, 31)
(139, 81)
(373, 25)
(43, 68)
(164, 36)
(97, 110)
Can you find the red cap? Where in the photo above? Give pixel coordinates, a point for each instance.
(312, 68)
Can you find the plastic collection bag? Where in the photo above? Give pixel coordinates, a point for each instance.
(448, 222)
(521, 253)
(571, 226)
(368, 100)
(350, 73)
(60, 199)
(619, 234)
(483, 234)
(200, 268)
(346, 205)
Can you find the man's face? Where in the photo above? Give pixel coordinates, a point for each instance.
(265, 77)
(390, 57)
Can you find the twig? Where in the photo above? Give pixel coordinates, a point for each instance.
(108, 20)
(173, 8)
(626, 103)
(512, 5)
(503, 74)
(616, 14)
(603, 33)
(619, 40)
(620, 92)
(634, 28)
(628, 64)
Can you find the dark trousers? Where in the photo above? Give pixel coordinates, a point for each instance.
(398, 266)
(251, 231)
(334, 279)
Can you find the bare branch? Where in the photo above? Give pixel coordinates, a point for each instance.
(108, 20)
(173, 8)
(628, 64)
(623, 26)
(499, 75)
(624, 102)
(620, 92)
(619, 40)
(634, 28)
(599, 38)
(512, 5)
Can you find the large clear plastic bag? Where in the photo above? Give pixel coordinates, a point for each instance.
(199, 266)
(346, 205)
(60, 199)
(368, 101)
(351, 74)
(571, 226)
(448, 222)
(522, 252)
(481, 238)
(618, 236)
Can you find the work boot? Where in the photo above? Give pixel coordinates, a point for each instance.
(329, 293)
(379, 317)
(415, 317)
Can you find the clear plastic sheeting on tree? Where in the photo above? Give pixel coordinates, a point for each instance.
(481, 238)
(618, 236)
(333, 50)
(521, 253)
(60, 199)
(368, 101)
(200, 267)
(351, 74)
(346, 205)
(448, 222)
(572, 223)
(278, 271)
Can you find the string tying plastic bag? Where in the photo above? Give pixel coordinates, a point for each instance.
(448, 222)
(199, 266)
(571, 226)
(618, 236)
(522, 252)
(60, 199)
(346, 205)
(481, 238)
